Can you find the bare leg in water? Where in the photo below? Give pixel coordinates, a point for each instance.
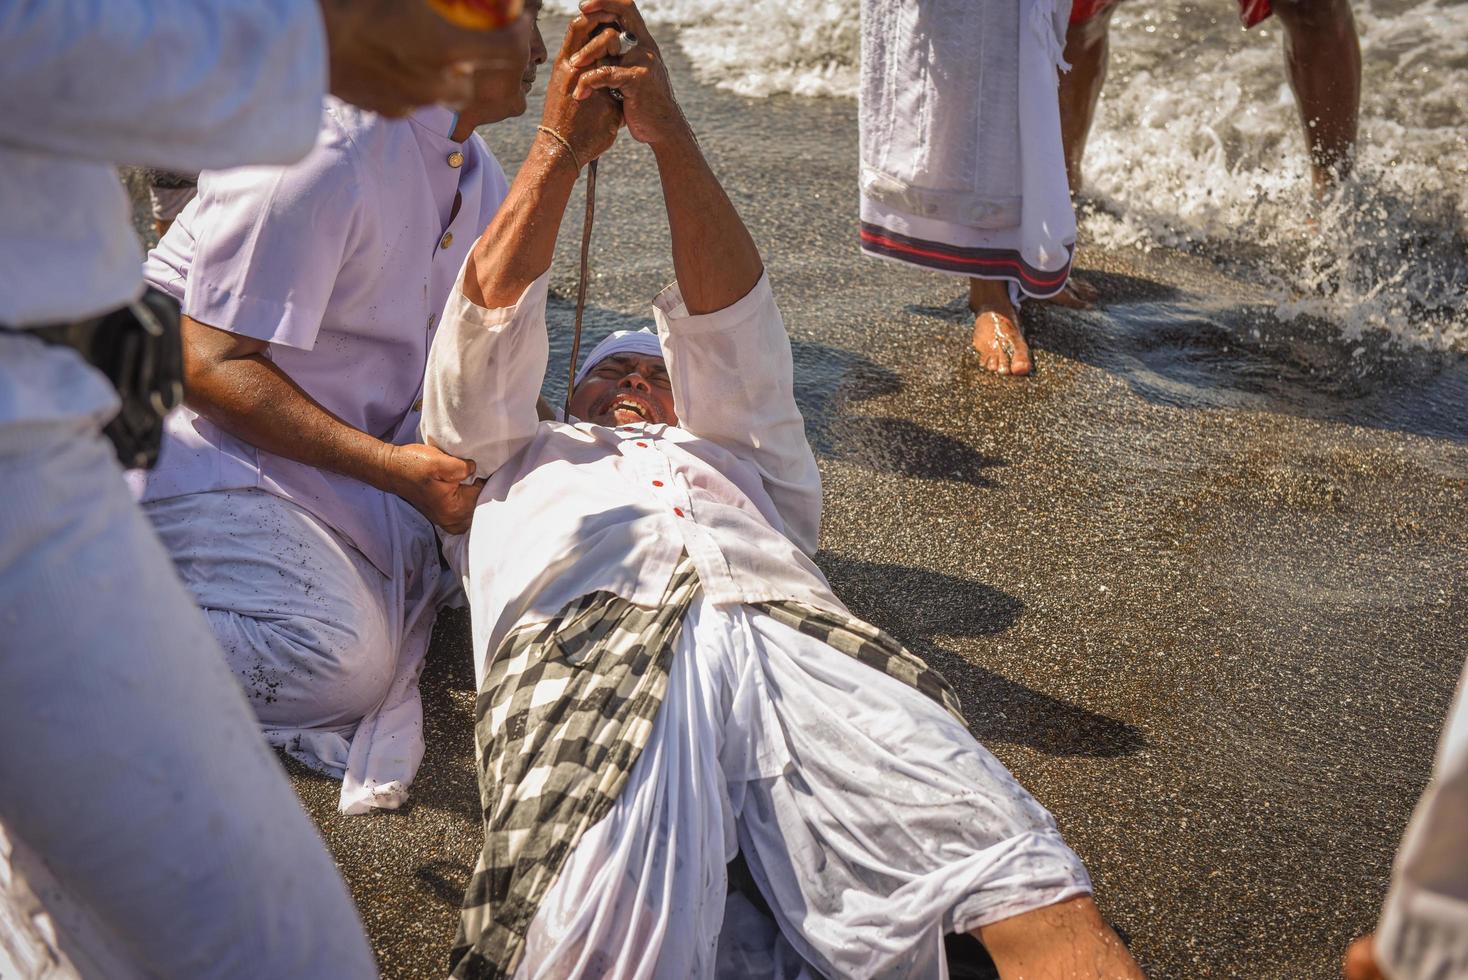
(1087, 46)
(1323, 59)
(1065, 941)
(997, 338)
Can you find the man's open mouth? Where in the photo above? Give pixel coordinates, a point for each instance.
(628, 409)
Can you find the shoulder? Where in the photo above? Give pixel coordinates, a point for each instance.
(332, 171)
(327, 194)
(358, 134)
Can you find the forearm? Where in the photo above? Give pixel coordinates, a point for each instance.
(714, 257)
(519, 244)
(254, 400)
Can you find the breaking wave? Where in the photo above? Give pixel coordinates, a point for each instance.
(1197, 147)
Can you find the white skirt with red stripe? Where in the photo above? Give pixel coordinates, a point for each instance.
(962, 166)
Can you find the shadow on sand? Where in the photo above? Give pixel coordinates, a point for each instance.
(902, 447)
(917, 607)
(1185, 350)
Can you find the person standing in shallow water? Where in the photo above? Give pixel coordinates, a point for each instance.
(962, 169)
(1322, 59)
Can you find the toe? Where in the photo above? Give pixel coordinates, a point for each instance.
(1019, 361)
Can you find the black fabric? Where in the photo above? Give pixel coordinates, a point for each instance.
(140, 350)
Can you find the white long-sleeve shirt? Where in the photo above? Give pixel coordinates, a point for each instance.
(1423, 932)
(570, 509)
(176, 84)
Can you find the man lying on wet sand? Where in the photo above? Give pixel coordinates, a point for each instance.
(666, 680)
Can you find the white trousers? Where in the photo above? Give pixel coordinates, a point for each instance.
(133, 771)
(327, 648)
(872, 822)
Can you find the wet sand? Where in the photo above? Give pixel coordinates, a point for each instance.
(1199, 581)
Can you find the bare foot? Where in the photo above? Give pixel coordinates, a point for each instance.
(997, 338)
(1077, 294)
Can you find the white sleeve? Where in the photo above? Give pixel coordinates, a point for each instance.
(734, 385)
(178, 84)
(484, 373)
(1423, 930)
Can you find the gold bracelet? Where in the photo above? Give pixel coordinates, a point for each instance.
(562, 140)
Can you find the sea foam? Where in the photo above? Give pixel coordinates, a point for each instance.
(803, 47)
(1198, 146)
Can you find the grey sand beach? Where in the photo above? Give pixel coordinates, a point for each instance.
(1198, 582)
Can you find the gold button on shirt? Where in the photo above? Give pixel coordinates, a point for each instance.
(456, 159)
(446, 240)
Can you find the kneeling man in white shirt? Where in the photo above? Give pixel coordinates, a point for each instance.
(290, 492)
(666, 681)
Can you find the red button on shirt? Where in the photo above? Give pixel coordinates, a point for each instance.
(657, 483)
(678, 511)
(643, 445)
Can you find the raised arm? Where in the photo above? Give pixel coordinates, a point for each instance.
(489, 356)
(725, 342)
(714, 256)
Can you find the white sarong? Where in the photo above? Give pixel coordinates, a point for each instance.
(872, 822)
(327, 648)
(962, 169)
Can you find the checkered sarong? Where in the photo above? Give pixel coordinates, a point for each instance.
(566, 709)
(873, 647)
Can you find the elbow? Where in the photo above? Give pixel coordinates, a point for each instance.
(201, 384)
(216, 369)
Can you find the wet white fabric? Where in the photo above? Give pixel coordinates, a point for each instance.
(327, 648)
(1423, 932)
(43, 934)
(642, 341)
(871, 820)
(132, 765)
(573, 509)
(960, 132)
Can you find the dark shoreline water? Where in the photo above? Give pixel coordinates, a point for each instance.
(1199, 582)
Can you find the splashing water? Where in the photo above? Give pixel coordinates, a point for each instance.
(803, 47)
(1197, 146)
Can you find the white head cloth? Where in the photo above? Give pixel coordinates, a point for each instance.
(642, 341)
